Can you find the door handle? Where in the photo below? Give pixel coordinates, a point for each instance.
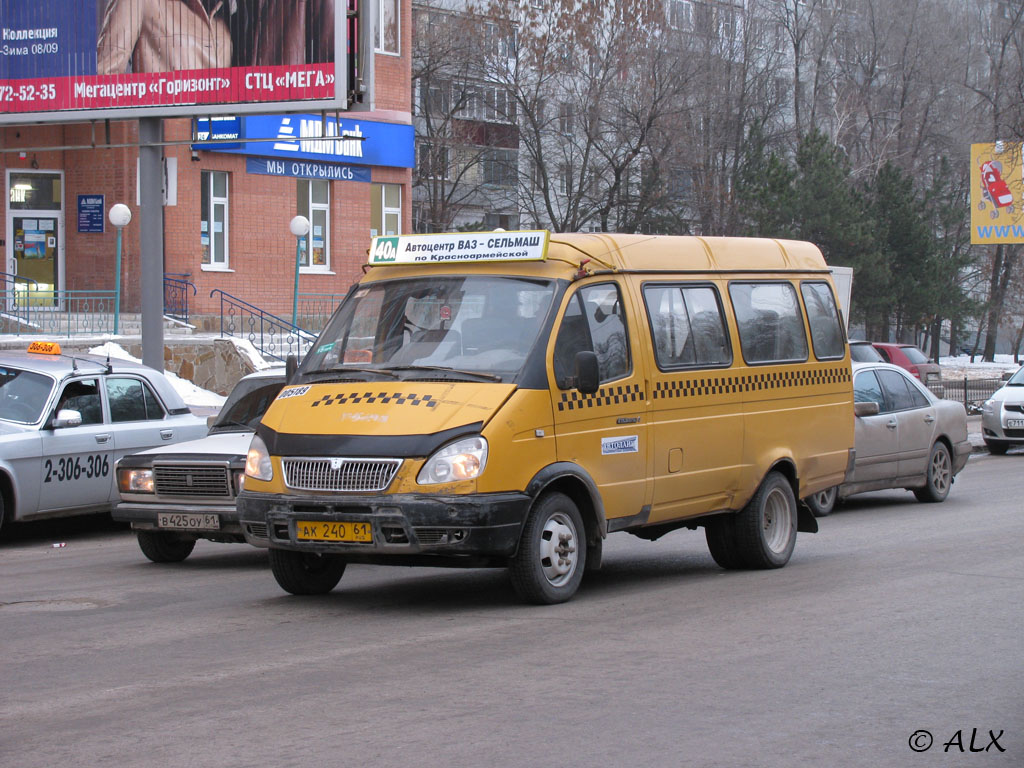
(102, 438)
(166, 434)
(929, 419)
(891, 424)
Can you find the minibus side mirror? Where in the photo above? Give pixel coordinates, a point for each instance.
(588, 374)
(865, 409)
(291, 365)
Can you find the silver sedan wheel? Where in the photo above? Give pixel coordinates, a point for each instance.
(941, 474)
(559, 544)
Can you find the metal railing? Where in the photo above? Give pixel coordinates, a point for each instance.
(272, 336)
(176, 288)
(28, 308)
(315, 309)
(971, 392)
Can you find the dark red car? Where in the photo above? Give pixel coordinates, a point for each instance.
(912, 359)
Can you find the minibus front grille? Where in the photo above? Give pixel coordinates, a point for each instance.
(330, 474)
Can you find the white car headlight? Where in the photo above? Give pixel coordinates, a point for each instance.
(988, 406)
(461, 460)
(257, 461)
(135, 480)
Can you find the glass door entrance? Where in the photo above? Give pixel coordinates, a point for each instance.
(35, 215)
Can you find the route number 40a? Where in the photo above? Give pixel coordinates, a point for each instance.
(386, 249)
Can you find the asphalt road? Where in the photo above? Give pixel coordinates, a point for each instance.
(897, 617)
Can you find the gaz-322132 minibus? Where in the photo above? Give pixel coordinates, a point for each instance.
(511, 398)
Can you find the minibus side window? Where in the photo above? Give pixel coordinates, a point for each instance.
(687, 326)
(769, 321)
(823, 317)
(594, 321)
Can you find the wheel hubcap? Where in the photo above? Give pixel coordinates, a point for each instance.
(940, 471)
(558, 545)
(778, 521)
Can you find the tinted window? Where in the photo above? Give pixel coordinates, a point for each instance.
(593, 321)
(83, 396)
(914, 355)
(884, 353)
(864, 353)
(687, 326)
(823, 318)
(901, 393)
(247, 403)
(866, 389)
(132, 400)
(769, 321)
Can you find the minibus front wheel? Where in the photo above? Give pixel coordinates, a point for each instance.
(552, 554)
(306, 573)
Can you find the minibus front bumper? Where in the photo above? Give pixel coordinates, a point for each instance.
(401, 526)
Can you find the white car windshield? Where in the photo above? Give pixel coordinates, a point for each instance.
(475, 325)
(23, 394)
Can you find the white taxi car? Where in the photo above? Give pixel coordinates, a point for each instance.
(65, 420)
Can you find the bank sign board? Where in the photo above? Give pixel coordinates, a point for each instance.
(317, 138)
(63, 60)
(997, 193)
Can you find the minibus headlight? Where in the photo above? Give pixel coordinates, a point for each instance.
(461, 460)
(135, 480)
(257, 461)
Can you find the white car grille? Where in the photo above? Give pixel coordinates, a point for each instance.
(331, 474)
(192, 480)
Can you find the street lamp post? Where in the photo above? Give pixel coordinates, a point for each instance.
(120, 215)
(300, 228)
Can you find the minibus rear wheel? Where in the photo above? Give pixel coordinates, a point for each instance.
(306, 573)
(766, 528)
(552, 554)
(164, 547)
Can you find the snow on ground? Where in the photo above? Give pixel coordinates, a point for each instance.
(190, 393)
(961, 365)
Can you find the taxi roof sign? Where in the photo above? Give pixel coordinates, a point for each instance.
(460, 248)
(44, 347)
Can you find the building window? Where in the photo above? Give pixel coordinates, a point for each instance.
(387, 38)
(565, 117)
(490, 103)
(680, 14)
(433, 162)
(213, 225)
(313, 200)
(499, 167)
(385, 209)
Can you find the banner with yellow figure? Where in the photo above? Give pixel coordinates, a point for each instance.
(997, 193)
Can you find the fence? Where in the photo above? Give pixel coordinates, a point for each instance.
(315, 309)
(971, 392)
(271, 335)
(176, 289)
(30, 309)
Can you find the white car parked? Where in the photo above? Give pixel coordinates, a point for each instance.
(1002, 415)
(174, 496)
(65, 420)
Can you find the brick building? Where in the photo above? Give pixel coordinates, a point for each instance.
(228, 208)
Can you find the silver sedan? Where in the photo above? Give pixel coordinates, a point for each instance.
(905, 437)
(1002, 415)
(65, 420)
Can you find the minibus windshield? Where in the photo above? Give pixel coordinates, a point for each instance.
(479, 327)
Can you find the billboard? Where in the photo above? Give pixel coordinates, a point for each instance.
(68, 60)
(997, 193)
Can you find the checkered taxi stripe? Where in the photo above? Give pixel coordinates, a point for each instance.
(384, 398)
(575, 401)
(792, 379)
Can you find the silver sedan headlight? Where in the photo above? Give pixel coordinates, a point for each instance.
(461, 460)
(989, 407)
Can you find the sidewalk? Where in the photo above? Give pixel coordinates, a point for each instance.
(974, 434)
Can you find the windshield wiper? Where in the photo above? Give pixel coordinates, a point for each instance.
(232, 423)
(333, 372)
(445, 369)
